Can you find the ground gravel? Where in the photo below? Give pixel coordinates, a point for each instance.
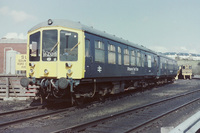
(97, 110)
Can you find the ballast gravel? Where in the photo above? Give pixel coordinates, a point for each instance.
(97, 110)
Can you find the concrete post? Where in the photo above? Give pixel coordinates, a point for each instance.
(7, 88)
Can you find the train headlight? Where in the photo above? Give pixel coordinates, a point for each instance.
(68, 65)
(46, 71)
(31, 71)
(32, 64)
(69, 71)
(50, 22)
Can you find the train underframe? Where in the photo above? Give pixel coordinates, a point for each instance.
(76, 91)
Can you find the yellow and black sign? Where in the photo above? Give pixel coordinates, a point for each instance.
(21, 62)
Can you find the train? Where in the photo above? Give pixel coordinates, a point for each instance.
(69, 60)
(185, 72)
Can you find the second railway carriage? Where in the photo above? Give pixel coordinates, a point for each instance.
(66, 58)
(168, 68)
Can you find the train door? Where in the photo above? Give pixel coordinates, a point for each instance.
(138, 61)
(100, 57)
(167, 67)
(146, 64)
(94, 56)
(158, 65)
(88, 55)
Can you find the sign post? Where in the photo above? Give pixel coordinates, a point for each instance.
(21, 62)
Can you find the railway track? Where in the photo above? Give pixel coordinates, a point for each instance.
(40, 113)
(13, 117)
(17, 111)
(135, 118)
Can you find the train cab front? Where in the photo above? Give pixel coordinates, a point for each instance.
(55, 60)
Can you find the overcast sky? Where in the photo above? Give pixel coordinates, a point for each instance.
(161, 25)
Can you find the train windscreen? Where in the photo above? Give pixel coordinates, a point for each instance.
(68, 46)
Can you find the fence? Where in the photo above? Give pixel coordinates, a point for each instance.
(10, 87)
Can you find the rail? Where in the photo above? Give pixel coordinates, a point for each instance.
(94, 123)
(29, 116)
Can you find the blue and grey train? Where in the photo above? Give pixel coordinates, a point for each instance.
(69, 59)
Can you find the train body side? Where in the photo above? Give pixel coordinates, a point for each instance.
(167, 67)
(136, 67)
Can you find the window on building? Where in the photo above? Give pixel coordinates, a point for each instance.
(126, 57)
(111, 54)
(133, 63)
(99, 52)
(119, 56)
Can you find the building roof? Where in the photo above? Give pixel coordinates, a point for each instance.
(12, 40)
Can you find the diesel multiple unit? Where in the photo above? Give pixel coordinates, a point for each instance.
(70, 60)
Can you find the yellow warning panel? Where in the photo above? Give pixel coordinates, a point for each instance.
(21, 62)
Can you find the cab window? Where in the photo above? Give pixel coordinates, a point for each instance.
(34, 47)
(68, 46)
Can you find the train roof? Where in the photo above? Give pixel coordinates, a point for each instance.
(79, 26)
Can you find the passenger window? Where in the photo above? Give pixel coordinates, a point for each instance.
(149, 61)
(138, 59)
(99, 52)
(161, 65)
(119, 56)
(87, 48)
(143, 60)
(126, 57)
(111, 54)
(155, 62)
(133, 63)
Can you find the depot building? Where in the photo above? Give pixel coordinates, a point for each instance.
(9, 48)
